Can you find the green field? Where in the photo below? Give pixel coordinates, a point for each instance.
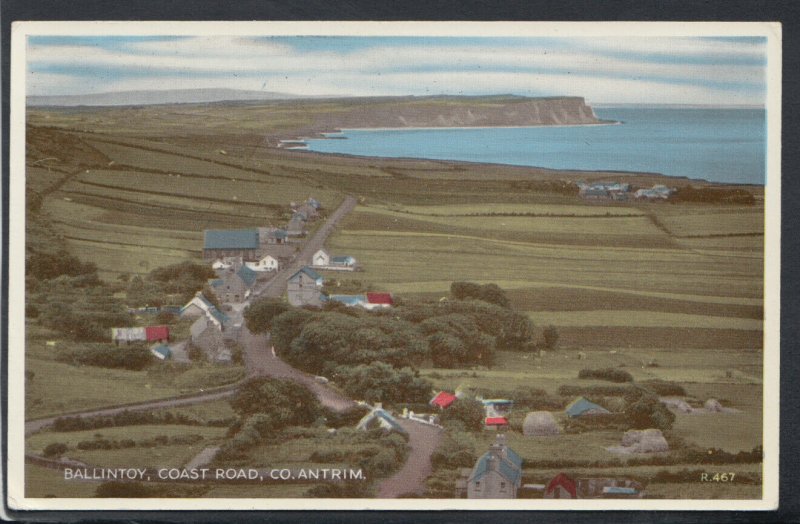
(664, 291)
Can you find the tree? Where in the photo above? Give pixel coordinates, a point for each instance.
(467, 411)
(286, 402)
(287, 326)
(644, 410)
(259, 314)
(490, 293)
(550, 337)
(380, 382)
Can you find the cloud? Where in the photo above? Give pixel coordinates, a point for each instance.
(658, 69)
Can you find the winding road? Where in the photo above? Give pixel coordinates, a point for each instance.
(260, 360)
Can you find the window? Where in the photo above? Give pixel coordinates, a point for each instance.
(477, 486)
(502, 486)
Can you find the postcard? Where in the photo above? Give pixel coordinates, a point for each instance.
(284, 265)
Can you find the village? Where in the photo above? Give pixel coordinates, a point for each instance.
(251, 264)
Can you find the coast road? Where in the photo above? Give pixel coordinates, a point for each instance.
(423, 440)
(277, 286)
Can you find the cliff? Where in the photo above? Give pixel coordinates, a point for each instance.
(449, 111)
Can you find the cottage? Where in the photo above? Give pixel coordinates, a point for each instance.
(199, 306)
(219, 244)
(581, 407)
(497, 474)
(561, 487)
(207, 336)
(443, 400)
(265, 263)
(379, 418)
(233, 286)
(321, 258)
(304, 288)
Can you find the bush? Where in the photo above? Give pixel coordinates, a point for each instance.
(490, 293)
(55, 449)
(610, 374)
(648, 412)
(550, 335)
(468, 412)
(664, 388)
(133, 357)
(125, 418)
(288, 403)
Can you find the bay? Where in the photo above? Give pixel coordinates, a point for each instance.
(718, 145)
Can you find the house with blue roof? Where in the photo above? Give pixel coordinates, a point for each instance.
(304, 288)
(343, 261)
(234, 284)
(497, 474)
(222, 243)
(379, 418)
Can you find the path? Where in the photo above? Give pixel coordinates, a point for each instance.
(260, 361)
(277, 286)
(424, 440)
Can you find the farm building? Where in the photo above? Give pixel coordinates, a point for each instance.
(540, 423)
(596, 488)
(272, 235)
(321, 258)
(581, 407)
(497, 474)
(561, 487)
(140, 334)
(219, 244)
(304, 288)
(495, 423)
(265, 263)
(347, 300)
(343, 261)
(161, 352)
(378, 300)
(379, 418)
(443, 400)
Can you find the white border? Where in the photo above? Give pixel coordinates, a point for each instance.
(16, 438)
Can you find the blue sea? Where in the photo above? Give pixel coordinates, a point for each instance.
(719, 145)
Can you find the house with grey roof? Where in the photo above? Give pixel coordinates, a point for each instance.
(497, 474)
(304, 288)
(233, 285)
(219, 244)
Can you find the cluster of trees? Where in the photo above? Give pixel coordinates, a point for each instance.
(379, 381)
(46, 266)
(490, 293)
(173, 284)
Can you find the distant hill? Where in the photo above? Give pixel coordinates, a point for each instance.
(153, 97)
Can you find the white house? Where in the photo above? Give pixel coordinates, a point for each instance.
(321, 258)
(266, 263)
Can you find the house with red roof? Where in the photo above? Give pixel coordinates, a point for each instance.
(561, 487)
(443, 400)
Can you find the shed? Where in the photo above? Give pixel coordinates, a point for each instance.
(380, 299)
(443, 400)
(153, 333)
(379, 418)
(162, 352)
(580, 407)
(540, 423)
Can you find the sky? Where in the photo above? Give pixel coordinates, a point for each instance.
(604, 70)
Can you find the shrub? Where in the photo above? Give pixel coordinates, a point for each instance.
(55, 449)
(550, 335)
(468, 412)
(610, 374)
(490, 293)
(664, 388)
(288, 403)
